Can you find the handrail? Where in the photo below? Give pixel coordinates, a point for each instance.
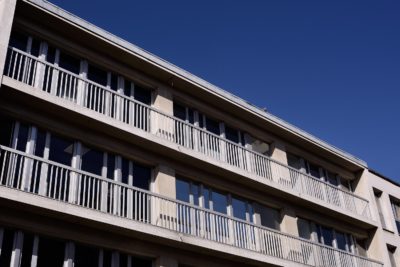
(18, 168)
(239, 154)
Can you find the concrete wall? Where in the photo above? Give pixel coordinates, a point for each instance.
(7, 9)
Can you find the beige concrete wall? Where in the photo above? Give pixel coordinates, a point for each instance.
(7, 9)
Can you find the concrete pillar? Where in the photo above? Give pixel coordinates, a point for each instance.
(289, 222)
(7, 9)
(163, 100)
(280, 173)
(164, 181)
(160, 124)
(279, 152)
(164, 261)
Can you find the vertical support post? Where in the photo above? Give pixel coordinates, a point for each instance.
(74, 177)
(45, 166)
(69, 254)
(104, 185)
(27, 169)
(17, 249)
(223, 156)
(81, 85)
(40, 68)
(35, 251)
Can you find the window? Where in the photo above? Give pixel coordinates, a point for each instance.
(239, 208)
(304, 227)
(269, 217)
(313, 170)
(7, 126)
(294, 161)
(51, 252)
(97, 75)
(69, 63)
(22, 137)
(61, 150)
(91, 160)
(396, 213)
(6, 246)
(86, 256)
(27, 250)
(141, 176)
(19, 40)
(392, 255)
(378, 195)
(142, 95)
(220, 202)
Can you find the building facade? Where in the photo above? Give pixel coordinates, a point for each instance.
(111, 156)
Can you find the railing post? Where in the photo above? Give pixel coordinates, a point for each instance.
(40, 67)
(81, 86)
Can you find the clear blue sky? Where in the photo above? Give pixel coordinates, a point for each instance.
(331, 68)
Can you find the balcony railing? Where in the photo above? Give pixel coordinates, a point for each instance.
(52, 180)
(66, 85)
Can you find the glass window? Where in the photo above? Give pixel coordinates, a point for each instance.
(342, 242)
(325, 235)
(182, 190)
(239, 208)
(142, 95)
(97, 75)
(294, 161)
(125, 171)
(22, 137)
(195, 191)
(27, 250)
(51, 252)
(35, 48)
(92, 160)
(110, 166)
(106, 258)
(304, 228)
(269, 217)
(141, 262)
(179, 112)
(346, 184)
(331, 178)
(141, 176)
(69, 63)
(7, 126)
(206, 195)
(40, 143)
(232, 134)
(51, 54)
(61, 150)
(127, 87)
(6, 247)
(86, 256)
(19, 40)
(314, 170)
(114, 82)
(220, 202)
(212, 126)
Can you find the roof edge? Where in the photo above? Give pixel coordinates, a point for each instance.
(197, 81)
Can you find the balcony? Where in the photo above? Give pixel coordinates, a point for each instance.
(56, 81)
(52, 180)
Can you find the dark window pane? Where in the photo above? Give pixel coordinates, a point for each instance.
(232, 134)
(27, 250)
(206, 195)
(51, 252)
(51, 54)
(127, 87)
(106, 258)
(35, 48)
(114, 82)
(304, 228)
(220, 202)
(125, 171)
(269, 217)
(294, 161)
(201, 120)
(141, 176)
(19, 40)
(239, 208)
(69, 63)
(6, 248)
(314, 171)
(92, 160)
(110, 166)
(179, 111)
(97, 75)
(196, 194)
(341, 241)
(142, 95)
(182, 190)
(325, 235)
(22, 137)
(6, 126)
(123, 260)
(141, 262)
(331, 178)
(212, 126)
(40, 143)
(86, 256)
(61, 150)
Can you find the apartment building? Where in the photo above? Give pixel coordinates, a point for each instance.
(111, 156)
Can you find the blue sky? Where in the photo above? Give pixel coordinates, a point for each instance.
(331, 68)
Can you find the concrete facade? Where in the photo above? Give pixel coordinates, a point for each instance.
(222, 188)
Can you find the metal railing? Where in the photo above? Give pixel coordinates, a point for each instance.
(48, 77)
(32, 174)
